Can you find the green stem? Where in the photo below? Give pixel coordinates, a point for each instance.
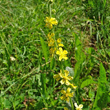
(62, 67)
(71, 104)
(50, 9)
(55, 41)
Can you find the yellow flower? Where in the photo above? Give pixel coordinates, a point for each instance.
(50, 22)
(65, 108)
(65, 77)
(51, 42)
(78, 107)
(52, 50)
(62, 54)
(50, 35)
(59, 40)
(60, 45)
(57, 77)
(66, 94)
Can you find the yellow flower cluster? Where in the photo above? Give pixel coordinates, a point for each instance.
(57, 47)
(50, 22)
(64, 79)
(51, 41)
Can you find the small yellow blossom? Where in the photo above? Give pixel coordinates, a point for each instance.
(50, 35)
(59, 40)
(50, 22)
(51, 42)
(66, 94)
(52, 50)
(65, 108)
(78, 107)
(62, 54)
(65, 77)
(60, 45)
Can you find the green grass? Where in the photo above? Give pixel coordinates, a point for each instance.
(27, 83)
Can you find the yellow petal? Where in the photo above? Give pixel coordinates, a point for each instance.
(61, 75)
(68, 90)
(67, 82)
(65, 52)
(62, 81)
(66, 72)
(68, 99)
(60, 45)
(70, 78)
(60, 49)
(71, 94)
(63, 92)
(60, 58)
(73, 86)
(58, 52)
(62, 98)
(65, 58)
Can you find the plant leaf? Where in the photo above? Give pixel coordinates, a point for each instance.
(44, 48)
(87, 82)
(102, 94)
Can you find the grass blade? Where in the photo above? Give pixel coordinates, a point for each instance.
(44, 48)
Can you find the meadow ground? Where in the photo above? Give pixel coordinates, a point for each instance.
(54, 55)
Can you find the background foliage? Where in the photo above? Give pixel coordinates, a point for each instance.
(27, 82)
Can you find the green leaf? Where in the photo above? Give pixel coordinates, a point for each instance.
(44, 48)
(52, 63)
(16, 103)
(7, 104)
(102, 94)
(87, 82)
(79, 57)
(91, 94)
(102, 74)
